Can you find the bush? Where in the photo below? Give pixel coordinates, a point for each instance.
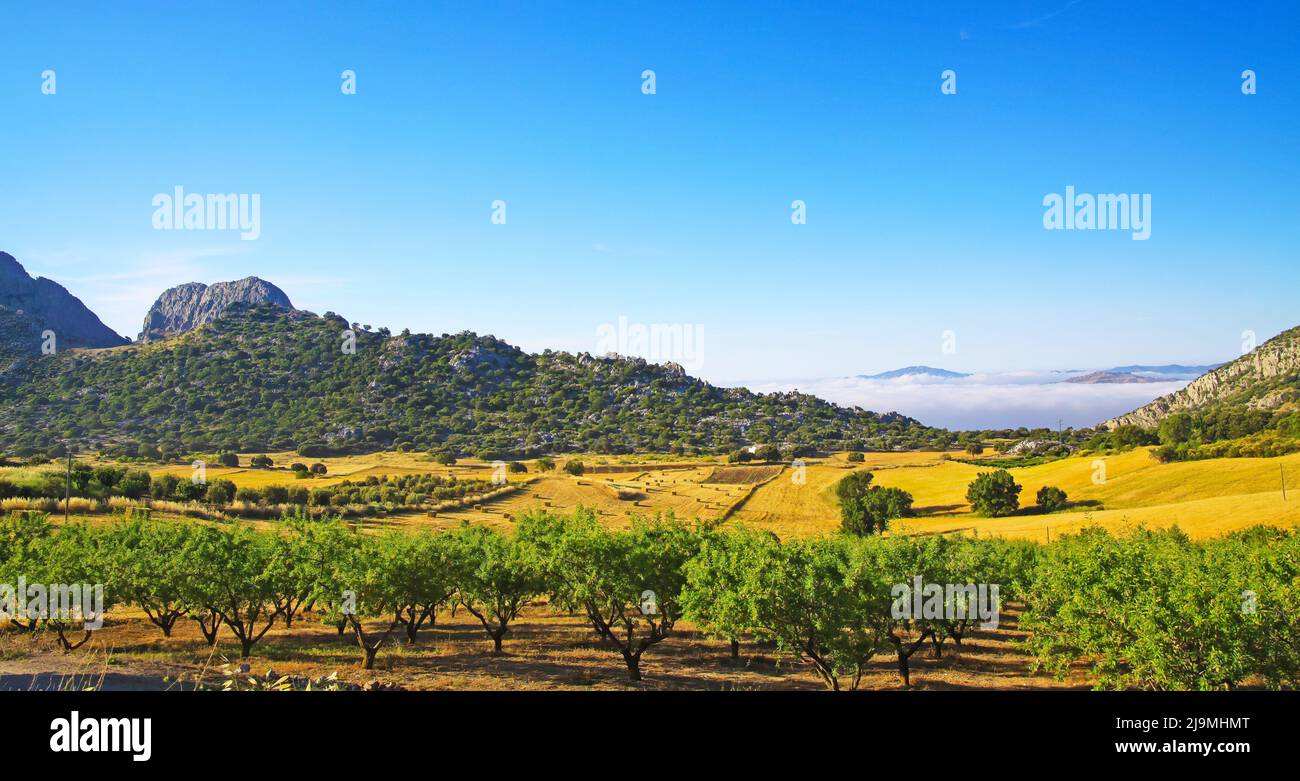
(220, 491)
(575, 468)
(856, 457)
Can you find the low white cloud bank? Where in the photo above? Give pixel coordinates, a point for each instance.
(1006, 400)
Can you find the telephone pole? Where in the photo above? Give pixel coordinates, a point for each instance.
(67, 488)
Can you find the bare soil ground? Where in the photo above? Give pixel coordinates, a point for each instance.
(544, 651)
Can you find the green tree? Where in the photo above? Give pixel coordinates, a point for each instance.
(819, 600)
(628, 583)
(146, 564)
(497, 576)
(1175, 429)
(994, 494)
(867, 509)
(1050, 499)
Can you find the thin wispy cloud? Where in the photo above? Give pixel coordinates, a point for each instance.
(1045, 17)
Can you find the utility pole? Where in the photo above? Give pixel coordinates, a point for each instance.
(67, 488)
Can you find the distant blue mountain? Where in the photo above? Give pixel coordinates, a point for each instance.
(1171, 368)
(908, 371)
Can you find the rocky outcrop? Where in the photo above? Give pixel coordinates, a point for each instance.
(186, 307)
(1264, 378)
(41, 305)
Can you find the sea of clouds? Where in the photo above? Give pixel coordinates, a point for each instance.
(992, 400)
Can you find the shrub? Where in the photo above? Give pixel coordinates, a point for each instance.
(220, 491)
(1050, 499)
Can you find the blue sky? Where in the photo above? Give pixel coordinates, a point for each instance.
(924, 210)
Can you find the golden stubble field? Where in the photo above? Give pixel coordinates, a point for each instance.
(1204, 498)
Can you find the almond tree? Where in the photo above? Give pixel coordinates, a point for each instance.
(819, 600)
(627, 583)
(900, 560)
(66, 563)
(421, 575)
(243, 593)
(20, 535)
(361, 585)
(496, 577)
(144, 559)
(1150, 610)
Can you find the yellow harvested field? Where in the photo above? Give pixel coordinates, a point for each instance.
(1205, 498)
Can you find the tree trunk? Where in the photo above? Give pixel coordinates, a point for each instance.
(735, 650)
(369, 663)
(245, 648)
(633, 666)
(496, 642)
(904, 672)
(209, 635)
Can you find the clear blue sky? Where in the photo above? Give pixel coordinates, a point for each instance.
(924, 210)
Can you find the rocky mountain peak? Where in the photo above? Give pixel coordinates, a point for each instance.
(44, 304)
(186, 307)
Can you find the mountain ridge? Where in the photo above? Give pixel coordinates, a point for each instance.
(1264, 378)
(38, 304)
(262, 377)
